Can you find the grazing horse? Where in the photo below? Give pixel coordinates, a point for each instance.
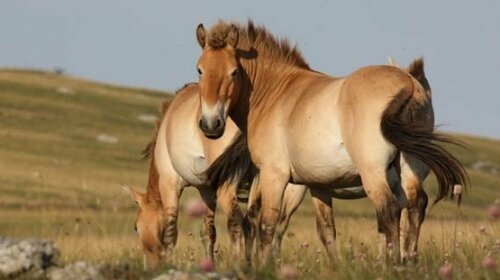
(373, 126)
(179, 154)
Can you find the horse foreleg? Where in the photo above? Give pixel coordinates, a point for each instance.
(228, 201)
(170, 198)
(294, 194)
(272, 184)
(208, 233)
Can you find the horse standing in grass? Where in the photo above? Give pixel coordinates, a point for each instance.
(371, 127)
(179, 154)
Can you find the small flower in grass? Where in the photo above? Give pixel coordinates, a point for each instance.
(482, 229)
(489, 262)
(288, 272)
(446, 271)
(413, 255)
(494, 210)
(195, 208)
(496, 246)
(207, 265)
(304, 244)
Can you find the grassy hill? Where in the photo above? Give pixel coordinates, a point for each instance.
(68, 144)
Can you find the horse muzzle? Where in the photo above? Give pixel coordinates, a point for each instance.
(212, 128)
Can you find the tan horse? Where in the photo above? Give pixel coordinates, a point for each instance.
(306, 127)
(179, 154)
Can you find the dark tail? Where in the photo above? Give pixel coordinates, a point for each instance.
(234, 166)
(400, 127)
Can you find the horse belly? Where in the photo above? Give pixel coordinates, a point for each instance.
(318, 154)
(327, 163)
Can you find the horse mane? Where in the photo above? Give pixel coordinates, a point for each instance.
(153, 192)
(259, 39)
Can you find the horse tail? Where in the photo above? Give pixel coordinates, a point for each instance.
(234, 166)
(400, 127)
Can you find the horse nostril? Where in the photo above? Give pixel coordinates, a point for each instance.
(218, 124)
(200, 124)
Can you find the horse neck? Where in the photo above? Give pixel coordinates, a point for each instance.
(261, 84)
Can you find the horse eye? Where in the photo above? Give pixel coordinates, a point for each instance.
(199, 71)
(234, 73)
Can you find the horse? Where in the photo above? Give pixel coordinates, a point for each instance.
(371, 127)
(179, 154)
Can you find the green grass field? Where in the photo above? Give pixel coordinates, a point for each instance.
(59, 182)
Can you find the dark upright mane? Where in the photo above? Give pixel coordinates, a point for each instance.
(259, 39)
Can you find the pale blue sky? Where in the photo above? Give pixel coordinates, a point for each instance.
(152, 43)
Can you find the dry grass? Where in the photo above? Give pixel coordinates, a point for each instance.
(107, 237)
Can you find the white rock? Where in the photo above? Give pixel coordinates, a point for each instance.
(104, 138)
(147, 118)
(77, 271)
(66, 90)
(18, 257)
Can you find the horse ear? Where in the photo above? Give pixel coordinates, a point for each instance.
(201, 35)
(393, 62)
(136, 195)
(233, 36)
(416, 68)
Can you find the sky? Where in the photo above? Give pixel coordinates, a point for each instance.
(152, 43)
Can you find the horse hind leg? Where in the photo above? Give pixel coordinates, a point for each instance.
(322, 200)
(386, 205)
(412, 174)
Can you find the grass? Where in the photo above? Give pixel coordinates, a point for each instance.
(58, 182)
